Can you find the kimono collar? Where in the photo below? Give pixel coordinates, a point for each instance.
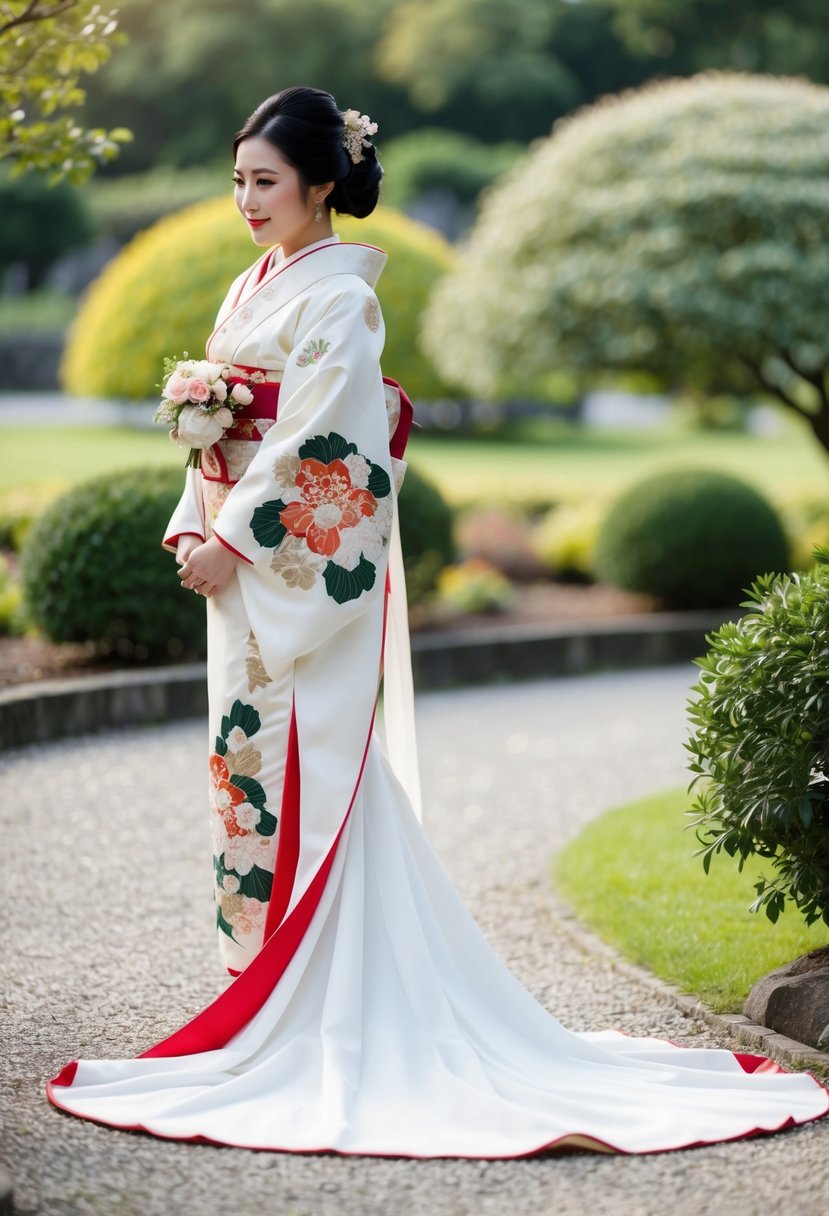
(289, 276)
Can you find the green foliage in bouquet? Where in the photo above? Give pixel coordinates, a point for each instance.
(427, 538)
(694, 538)
(92, 569)
(162, 291)
(761, 741)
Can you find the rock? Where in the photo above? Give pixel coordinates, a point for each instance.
(794, 999)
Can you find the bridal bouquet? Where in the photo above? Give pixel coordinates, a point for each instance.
(196, 397)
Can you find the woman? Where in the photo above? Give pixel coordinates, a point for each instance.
(368, 1013)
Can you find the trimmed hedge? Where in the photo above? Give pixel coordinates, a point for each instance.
(427, 538)
(694, 537)
(160, 294)
(92, 569)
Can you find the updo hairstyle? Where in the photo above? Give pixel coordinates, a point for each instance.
(306, 126)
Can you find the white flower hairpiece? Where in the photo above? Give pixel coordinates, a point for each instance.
(357, 127)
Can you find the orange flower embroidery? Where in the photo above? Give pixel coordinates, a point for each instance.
(329, 503)
(225, 795)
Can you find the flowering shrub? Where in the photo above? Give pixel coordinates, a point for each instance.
(565, 538)
(131, 315)
(676, 230)
(474, 585)
(501, 536)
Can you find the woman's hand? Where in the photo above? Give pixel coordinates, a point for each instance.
(186, 544)
(209, 567)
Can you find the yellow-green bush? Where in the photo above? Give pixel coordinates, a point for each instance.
(13, 616)
(565, 537)
(160, 295)
(20, 507)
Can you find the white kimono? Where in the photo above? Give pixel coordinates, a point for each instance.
(368, 1013)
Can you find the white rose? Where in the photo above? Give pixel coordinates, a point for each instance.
(219, 389)
(224, 416)
(202, 369)
(197, 428)
(242, 394)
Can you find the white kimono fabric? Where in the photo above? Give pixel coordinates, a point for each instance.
(368, 1013)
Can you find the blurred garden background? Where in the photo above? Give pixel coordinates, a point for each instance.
(605, 222)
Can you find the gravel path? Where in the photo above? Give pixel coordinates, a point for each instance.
(107, 911)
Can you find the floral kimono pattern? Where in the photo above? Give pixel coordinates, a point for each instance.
(368, 1012)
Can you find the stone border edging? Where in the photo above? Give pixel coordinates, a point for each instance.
(769, 1042)
(46, 710)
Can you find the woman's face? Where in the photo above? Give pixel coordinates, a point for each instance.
(267, 192)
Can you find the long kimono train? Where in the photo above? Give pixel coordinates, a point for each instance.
(367, 1013)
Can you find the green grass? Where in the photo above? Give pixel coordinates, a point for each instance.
(556, 461)
(632, 878)
(73, 453)
(540, 460)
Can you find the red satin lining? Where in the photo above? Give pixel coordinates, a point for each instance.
(231, 1011)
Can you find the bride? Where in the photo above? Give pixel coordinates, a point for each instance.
(367, 1012)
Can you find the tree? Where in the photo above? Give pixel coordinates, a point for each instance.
(677, 230)
(45, 45)
(502, 69)
(679, 37)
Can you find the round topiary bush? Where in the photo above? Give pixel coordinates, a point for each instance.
(160, 294)
(427, 536)
(92, 569)
(693, 537)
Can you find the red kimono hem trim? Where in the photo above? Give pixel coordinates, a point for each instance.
(229, 546)
(173, 540)
(789, 1121)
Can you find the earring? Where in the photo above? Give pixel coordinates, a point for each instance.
(318, 212)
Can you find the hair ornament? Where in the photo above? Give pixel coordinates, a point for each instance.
(355, 136)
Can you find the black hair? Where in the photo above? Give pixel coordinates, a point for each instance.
(306, 126)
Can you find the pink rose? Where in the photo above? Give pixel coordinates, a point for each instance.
(198, 390)
(177, 388)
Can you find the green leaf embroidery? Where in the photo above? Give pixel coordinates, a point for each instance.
(225, 927)
(257, 884)
(343, 585)
(267, 823)
(312, 351)
(327, 448)
(251, 788)
(241, 715)
(266, 526)
(378, 481)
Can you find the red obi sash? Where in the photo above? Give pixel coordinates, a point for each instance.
(264, 405)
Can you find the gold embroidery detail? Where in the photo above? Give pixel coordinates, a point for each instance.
(248, 760)
(371, 314)
(257, 678)
(297, 565)
(285, 469)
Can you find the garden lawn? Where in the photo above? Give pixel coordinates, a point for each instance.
(632, 878)
(541, 460)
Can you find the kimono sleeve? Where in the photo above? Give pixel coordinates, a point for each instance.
(188, 516)
(311, 516)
